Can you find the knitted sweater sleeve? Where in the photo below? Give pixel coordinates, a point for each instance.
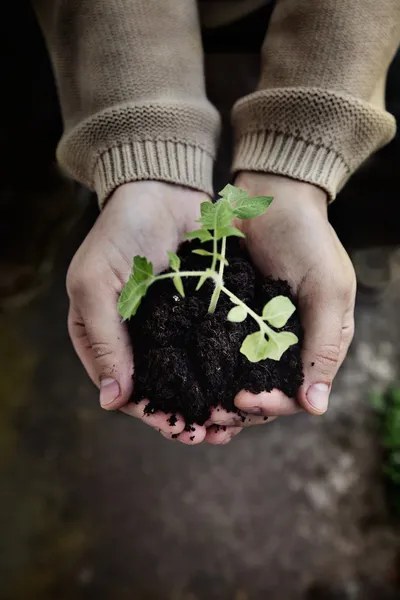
(131, 86)
(318, 112)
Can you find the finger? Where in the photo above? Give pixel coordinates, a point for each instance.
(193, 437)
(165, 423)
(224, 419)
(217, 435)
(274, 403)
(103, 345)
(327, 318)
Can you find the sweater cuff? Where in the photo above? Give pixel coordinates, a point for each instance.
(168, 161)
(271, 152)
(310, 134)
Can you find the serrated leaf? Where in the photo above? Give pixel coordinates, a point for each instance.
(179, 285)
(142, 269)
(278, 311)
(130, 298)
(201, 252)
(220, 215)
(277, 346)
(174, 261)
(135, 288)
(207, 211)
(237, 314)
(248, 208)
(233, 194)
(229, 231)
(200, 234)
(255, 347)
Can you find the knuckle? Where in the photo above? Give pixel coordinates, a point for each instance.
(101, 350)
(327, 358)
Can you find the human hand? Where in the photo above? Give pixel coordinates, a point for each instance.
(293, 240)
(145, 218)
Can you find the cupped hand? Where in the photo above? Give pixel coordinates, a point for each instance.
(145, 218)
(293, 240)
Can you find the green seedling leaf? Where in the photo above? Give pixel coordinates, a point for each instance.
(278, 345)
(255, 347)
(201, 234)
(135, 288)
(278, 311)
(217, 215)
(129, 300)
(207, 253)
(248, 208)
(207, 211)
(233, 194)
(237, 314)
(174, 261)
(229, 231)
(142, 269)
(179, 285)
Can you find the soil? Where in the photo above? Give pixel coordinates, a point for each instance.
(187, 361)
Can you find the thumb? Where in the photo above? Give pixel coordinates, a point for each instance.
(102, 343)
(328, 331)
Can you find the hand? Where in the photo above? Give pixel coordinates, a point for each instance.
(146, 218)
(293, 240)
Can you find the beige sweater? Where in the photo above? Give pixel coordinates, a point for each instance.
(131, 85)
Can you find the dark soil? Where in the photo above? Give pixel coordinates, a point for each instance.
(188, 361)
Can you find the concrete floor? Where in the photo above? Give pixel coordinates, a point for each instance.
(96, 505)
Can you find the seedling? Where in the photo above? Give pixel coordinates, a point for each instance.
(216, 226)
(387, 405)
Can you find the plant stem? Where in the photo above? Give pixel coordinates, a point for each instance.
(262, 324)
(218, 287)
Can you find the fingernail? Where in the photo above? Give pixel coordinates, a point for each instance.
(318, 396)
(109, 391)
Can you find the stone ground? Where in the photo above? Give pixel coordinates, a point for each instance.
(96, 505)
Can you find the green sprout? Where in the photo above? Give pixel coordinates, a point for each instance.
(387, 406)
(216, 226)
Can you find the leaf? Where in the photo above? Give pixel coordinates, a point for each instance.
(255, 347)
(179, 285)
(237, 314)
(207, 253)
(135, 288)
(142, 269)
(233, 194)
(130, 298)
(278, 311)
(217, 216)
(207, 211)
(229, 231)
(202, 234)
(248, 208)
(174, 261)
(277, 346)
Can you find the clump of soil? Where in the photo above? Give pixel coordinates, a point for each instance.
(187, 360)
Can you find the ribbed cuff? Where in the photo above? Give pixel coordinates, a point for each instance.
(280, 154)
(168, 161)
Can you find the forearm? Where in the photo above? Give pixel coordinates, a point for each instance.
(131, 86)
(319, 109)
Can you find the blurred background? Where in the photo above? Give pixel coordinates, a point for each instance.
(95, 505)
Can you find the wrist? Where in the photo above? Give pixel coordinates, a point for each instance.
(289, 195)
(173, 207)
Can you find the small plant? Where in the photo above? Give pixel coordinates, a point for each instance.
(387, 406)
(216, 226)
